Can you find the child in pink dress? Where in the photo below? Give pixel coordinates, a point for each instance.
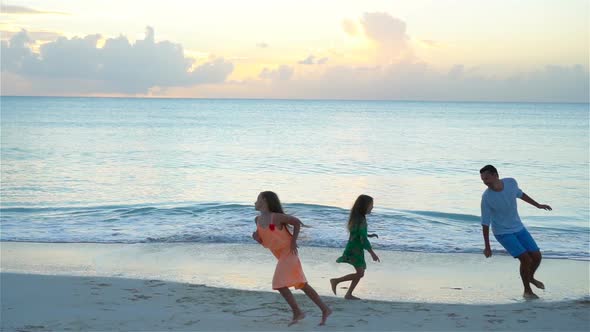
(272, 233)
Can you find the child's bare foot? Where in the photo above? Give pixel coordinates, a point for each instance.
(297, 318)
(325, 314)
(351, 297)
(538, 284)
(530, 296)
(334, 284)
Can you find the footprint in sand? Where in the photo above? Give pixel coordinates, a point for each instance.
(34, 327)
(253, 312)
(376, 311)
(185, 299)
(154, 283)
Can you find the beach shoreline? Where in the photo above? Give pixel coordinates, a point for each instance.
(400, 276)
(63, 303)
(226, 287)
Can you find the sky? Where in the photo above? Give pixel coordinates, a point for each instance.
(451, 50)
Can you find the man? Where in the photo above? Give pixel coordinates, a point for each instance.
(498, 208)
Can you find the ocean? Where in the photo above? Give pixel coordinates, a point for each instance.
(118, 170)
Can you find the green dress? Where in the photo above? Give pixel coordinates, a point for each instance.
(354, 253)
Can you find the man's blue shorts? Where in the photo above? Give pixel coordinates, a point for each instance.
(517, 243)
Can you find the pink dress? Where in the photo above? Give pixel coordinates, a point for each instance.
(288, 272)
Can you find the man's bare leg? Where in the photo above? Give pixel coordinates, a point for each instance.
(526, 264)
(536, 256)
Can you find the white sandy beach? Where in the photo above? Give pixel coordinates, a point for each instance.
(206, 287)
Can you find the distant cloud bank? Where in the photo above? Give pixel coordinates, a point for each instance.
(117, 67)
(93, 65)
(21, 10)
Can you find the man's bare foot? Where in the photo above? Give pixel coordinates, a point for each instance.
(530, 296)
(297, 318)
(334, 284)
(351, 297)
(325, 315)
(538, 284)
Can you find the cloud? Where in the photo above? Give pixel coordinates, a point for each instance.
(388, 34)
(430, 43)
(419, 81)
(20, 10)
(118, 67)
(34, 35)
(456, 72)
(282, 73)
(77, 66)
(214, 71)
(311, 60)
(416, 81)
(349, 26)
(262, 45)
(307, 61)
(384, 28)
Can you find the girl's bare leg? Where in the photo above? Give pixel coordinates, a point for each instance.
(297, 313)
(313, 295)
(335, 281)
(355, 277)
(360, 272)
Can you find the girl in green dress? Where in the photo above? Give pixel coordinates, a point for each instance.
(358, 242)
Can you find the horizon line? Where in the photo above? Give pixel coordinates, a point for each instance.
(307, 99)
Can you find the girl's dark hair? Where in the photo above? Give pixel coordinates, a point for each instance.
(359, 210)
(488, 168)
(274, 204)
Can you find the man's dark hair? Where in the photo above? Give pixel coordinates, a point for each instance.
(488, 168)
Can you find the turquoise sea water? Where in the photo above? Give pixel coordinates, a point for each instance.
(185, 170)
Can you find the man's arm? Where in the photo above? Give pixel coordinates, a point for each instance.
(487, 251)
(486, 219)
(532, 202)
